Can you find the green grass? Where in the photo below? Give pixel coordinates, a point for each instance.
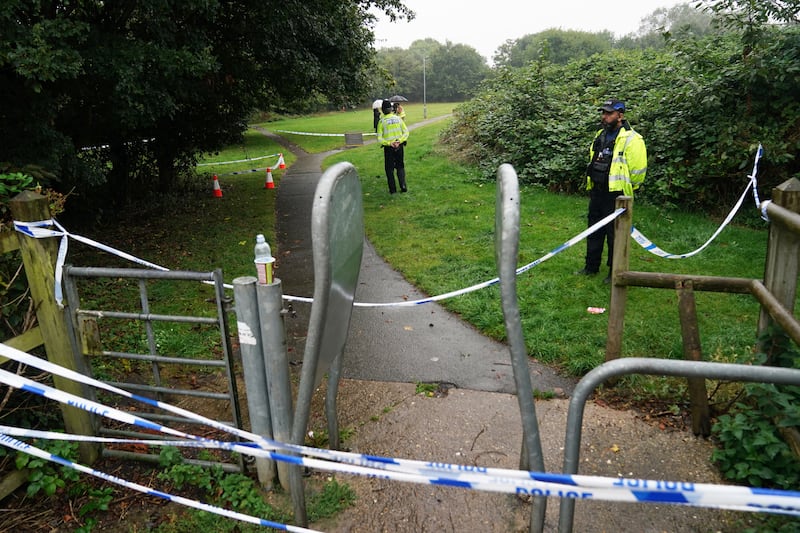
(341, 122)
(440, 236)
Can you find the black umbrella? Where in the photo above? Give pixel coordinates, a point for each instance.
(398, 98)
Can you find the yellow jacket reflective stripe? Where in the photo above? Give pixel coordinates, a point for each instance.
(629, 162)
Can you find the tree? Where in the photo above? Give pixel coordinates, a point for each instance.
(453, 71)
(148, 85)
(747, 12)
(752, 17)
(555, 45)
(684, 18)
(683, 21)
(404, 73)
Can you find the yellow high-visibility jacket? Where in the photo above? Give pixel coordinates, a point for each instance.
(391, 128)
(628, 164)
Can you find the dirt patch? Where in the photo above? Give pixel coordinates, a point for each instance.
(479, 428)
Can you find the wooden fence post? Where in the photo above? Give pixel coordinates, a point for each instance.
(39, 258)
(698, 395)
(620, 263)
(781, 268)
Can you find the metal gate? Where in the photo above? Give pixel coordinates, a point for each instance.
(147, 345)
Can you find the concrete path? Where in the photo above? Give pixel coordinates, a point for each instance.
(424, 343)
(473, 419)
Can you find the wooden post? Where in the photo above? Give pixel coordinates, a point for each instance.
(781, 268)
(698, 396)
(620, 263)
(39, 259)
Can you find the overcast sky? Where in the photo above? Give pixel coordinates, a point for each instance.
(486, 24)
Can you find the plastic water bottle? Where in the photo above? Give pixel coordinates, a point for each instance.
(261, 249)
(263, 259)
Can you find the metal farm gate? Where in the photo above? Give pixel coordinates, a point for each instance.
(161, 353)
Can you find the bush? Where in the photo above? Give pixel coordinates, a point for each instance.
(752, 449)
(700, 105)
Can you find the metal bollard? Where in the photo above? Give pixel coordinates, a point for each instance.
(276, 366)
(255, 376)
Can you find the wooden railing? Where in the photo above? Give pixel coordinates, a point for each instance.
(776, 293)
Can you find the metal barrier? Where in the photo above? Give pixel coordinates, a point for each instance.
(659, 367)
(506, 253)
(337, 235)
(86, 339)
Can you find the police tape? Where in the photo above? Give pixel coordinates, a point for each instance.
(36, 230)
(752, 184)
(501, 480)
(648, 245)
(311, 134)
(666, 492)
(569, 243)
(445, 474)
(754, 180)
(33, 229)
(20, 446)
(238, 160)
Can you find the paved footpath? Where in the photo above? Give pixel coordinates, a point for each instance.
(475, 420)
(424, 343)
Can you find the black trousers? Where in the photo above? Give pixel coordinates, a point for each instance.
(601, 204)
(393, 160)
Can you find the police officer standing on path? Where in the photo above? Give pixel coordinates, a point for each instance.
(617, 166)
(392, 133)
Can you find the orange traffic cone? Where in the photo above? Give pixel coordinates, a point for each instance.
(269, 184)
(281, 162)
(217, 190)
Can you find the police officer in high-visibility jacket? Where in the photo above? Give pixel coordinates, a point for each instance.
(617, 166)
(392, 133)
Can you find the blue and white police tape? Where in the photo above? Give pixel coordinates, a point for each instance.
(571, 242)
(480, 478)
(762, 206)
(648, 245)
(754, 181)
(35, 229)
(39, 230)
(15, 444)
(504, 480)
(238, 160)
(625, 490)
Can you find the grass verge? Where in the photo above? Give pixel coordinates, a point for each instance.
(440, 236)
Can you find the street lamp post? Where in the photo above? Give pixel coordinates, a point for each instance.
(424, 95)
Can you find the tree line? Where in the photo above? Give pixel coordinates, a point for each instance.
(704, 101)
(453, 72)
(108, 99)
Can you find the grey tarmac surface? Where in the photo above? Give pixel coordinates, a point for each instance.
(474, 418)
